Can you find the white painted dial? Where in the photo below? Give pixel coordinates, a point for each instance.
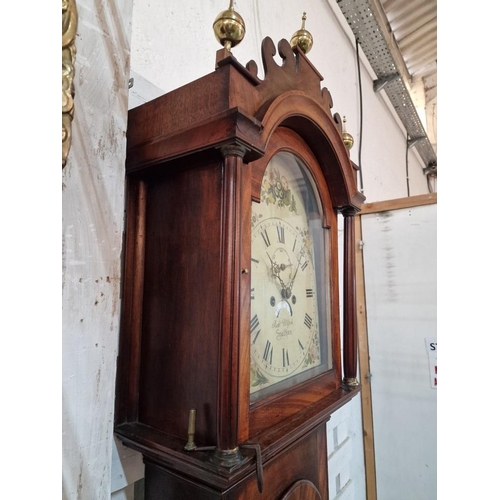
(287, 287)
(284, 322)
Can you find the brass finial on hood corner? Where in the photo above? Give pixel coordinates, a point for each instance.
(346, 137)
(229, 27)
(302, 38)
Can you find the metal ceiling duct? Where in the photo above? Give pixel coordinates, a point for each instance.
(365, 27)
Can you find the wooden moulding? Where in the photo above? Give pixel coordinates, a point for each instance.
(364, 369)
(409, 202)
(233, 106)
(161, 448)
(298, 466)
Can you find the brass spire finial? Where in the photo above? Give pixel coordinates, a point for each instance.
(302, 38)
(346, 137)
(229, 27)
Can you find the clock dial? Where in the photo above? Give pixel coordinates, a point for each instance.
(284, 324)
(287, 297)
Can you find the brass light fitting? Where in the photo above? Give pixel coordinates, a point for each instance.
(346, 137)
(229, 27)
(302, 38)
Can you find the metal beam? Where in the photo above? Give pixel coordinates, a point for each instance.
(370, 27)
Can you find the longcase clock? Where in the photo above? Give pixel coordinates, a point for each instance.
(230, 352)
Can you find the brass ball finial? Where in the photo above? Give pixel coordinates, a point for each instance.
(229, 27)
(302, 38)
(346, 137)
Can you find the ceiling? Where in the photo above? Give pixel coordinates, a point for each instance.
(413, 24)
(399, 39)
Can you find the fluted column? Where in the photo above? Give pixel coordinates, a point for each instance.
(227, 452)
(350, 339)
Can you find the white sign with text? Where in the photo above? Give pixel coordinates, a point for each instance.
(431, 345)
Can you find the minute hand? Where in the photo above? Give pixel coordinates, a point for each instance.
(296, 270)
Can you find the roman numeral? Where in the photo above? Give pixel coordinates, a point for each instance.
(265, 237)
(300, 344)
(304, 265)
(255, 338)
(254, 323)
(252, 293)
(286, 360)
(268, 352)
(255, 260)
(294, 243)
(281, 234)
(309, 292)
(308, 321)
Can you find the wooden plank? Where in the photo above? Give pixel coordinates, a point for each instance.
(409, 202)
(364, 367)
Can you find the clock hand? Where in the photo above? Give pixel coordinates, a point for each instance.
(275, 273)
(289, 288)
(277, 267)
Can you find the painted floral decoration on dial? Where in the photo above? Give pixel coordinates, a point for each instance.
(275, 190)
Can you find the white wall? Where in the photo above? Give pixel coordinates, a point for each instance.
(92, 226)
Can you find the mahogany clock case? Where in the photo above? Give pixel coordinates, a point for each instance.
(195, 162)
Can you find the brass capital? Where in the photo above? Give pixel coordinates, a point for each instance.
(351, 382)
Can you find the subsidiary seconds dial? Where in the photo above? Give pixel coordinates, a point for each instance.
(284, 312)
